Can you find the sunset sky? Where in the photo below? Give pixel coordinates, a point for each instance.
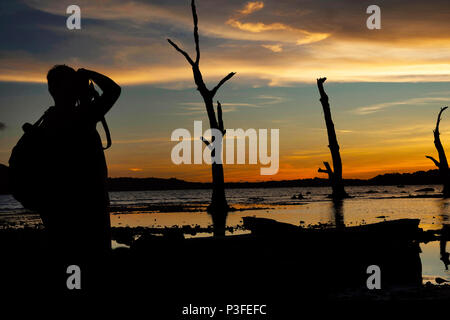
(385, 86)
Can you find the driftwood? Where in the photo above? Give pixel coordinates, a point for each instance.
(442, 164)
(335, 176)
(219, 206)
(391, 245)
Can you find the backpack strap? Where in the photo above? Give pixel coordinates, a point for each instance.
(107, 133)
(41, 119)
(27, 126)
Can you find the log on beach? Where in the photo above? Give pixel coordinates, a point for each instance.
(391, 245)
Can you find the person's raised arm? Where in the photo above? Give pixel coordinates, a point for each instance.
(110, 90)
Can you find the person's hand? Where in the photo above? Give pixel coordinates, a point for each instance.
(84, 75)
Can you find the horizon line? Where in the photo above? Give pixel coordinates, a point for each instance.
(264, 181)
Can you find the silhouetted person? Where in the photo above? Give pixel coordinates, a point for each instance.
(78, 219)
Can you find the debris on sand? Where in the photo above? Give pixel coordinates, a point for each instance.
(298, 197)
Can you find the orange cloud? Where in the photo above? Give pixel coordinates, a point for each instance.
(295, 35)
(299, 36)
(257, 27)
(274, 47)
(251, 7)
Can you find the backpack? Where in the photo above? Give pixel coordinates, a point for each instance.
(30, 165)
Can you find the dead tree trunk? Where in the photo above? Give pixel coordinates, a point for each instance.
(442, 164)
(335, 176)
(219, 206)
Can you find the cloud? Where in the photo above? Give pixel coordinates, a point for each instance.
(251, 7)
(224, 104)
(273, 47)
(337, 130)
(114, 10)
(289, 33)
(414, 101)
(263, 101)
(143, 140)
(198, 108)
(258, 27)
(271, 99)
(126, 40)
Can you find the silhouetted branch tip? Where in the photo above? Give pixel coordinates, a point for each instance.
(438, 121)
(323, 170)
(323, 95)
(328, 169)
(196, 37)
(225, 79)
(184, 53)
(434, 160)
(219, 116)
(321, 80)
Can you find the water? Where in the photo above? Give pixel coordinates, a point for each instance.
(369, 204)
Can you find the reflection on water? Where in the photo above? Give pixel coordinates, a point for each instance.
(337, 211)
(444, 254)
(369, 204)
(432, 266)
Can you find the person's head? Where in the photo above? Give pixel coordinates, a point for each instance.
(62, 85)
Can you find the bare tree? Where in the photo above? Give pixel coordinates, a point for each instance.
(335, 176)
(219, 206)
(442, 164)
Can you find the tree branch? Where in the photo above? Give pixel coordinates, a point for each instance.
(320, 82)
(196, 38)
(443, 164)
(184, 53)
(228, 77)
(207, 143)
(438, 121)
(327, 170)
(435, 161)
(219, 116)
(327, 165)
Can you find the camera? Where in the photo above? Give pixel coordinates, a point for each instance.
(86, 88)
